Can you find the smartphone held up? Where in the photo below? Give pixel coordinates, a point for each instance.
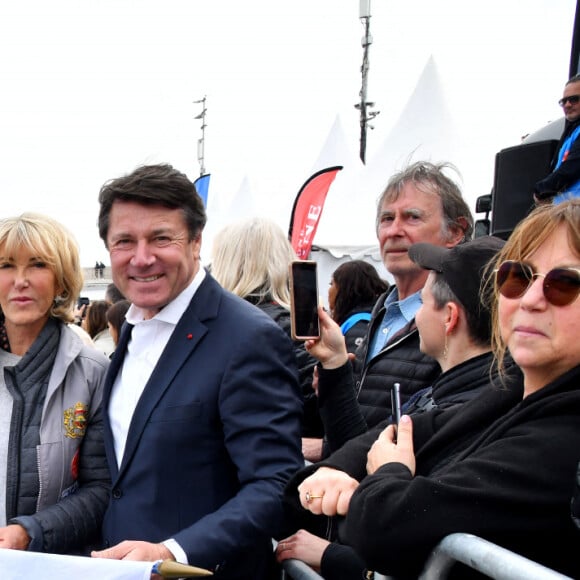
(304, 300)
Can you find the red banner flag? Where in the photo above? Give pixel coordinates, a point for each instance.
(308, 209)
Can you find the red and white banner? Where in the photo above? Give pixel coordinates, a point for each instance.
(308, 209)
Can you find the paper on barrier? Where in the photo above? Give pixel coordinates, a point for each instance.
(16, 564)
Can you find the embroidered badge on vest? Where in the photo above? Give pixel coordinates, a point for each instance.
(75, 421)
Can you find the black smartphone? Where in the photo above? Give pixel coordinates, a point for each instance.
(83, 301)
(396, 403)
(304, 300)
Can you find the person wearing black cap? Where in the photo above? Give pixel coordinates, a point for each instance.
(501, 466)
(454, 323)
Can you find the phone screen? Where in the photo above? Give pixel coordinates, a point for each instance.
(83, 301)
(304, 293)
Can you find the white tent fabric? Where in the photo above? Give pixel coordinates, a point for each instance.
(425, 130)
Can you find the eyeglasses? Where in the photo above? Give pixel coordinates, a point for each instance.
(572, 99)
(561, 285)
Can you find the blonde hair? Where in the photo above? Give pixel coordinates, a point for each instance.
(251, 259)
(51, 242)
(529, 235)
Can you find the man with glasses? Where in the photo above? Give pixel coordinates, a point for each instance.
(565, 176)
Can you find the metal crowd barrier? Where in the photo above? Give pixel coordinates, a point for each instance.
(477, 553)
(483, 556)
(298, 570)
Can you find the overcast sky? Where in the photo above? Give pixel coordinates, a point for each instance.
(93, 88)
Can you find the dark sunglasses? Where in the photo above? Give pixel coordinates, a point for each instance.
(572, 99)
(561, 285)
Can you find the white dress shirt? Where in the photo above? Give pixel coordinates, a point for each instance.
(148, 341)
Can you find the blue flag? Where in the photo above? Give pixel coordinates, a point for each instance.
(202, 187)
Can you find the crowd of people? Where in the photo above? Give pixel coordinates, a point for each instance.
(177, 419)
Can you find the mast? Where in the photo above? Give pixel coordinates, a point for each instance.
(365, 115)
(201, 142)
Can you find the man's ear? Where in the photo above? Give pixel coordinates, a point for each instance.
(458, 230)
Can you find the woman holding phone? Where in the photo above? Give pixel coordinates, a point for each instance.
(251, 258)
(501, 467)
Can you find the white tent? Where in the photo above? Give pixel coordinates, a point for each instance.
(424, 131)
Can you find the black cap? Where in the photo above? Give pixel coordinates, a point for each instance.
(462, 266)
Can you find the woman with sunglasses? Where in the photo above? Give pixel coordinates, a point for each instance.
(502, 466)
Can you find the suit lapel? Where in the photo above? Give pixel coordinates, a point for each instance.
(187, 334)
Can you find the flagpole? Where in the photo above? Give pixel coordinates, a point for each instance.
(365, 116)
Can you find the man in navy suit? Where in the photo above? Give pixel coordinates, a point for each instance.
(202, 404)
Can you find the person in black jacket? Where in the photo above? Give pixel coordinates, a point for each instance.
(454, 327)
(354, 289)
(501, 466)
(419, 204)
(565, 174)
(251, 259)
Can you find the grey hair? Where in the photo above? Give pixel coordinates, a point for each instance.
(430, 178)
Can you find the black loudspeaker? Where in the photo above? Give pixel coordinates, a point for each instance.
(517, 169)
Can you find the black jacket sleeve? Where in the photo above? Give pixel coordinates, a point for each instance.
(340, 562)
(563, 177)
(339, 409)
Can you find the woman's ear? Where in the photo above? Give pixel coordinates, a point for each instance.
(451, 317)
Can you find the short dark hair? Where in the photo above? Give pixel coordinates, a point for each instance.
(430, 178)
(478, 322)
(159, 184)
(113, 294)
(358, 284)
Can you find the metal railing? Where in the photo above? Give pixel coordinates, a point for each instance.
(477, 553)
(483, 556)
(298, 570)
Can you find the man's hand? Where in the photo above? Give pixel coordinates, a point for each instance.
(330, 348)
(14, 537)
(393, 445)
(135, 550)
(327, 491)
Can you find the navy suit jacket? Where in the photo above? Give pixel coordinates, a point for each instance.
(214, 438)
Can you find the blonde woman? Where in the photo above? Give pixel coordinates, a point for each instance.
(53, 474)
(251, 258)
